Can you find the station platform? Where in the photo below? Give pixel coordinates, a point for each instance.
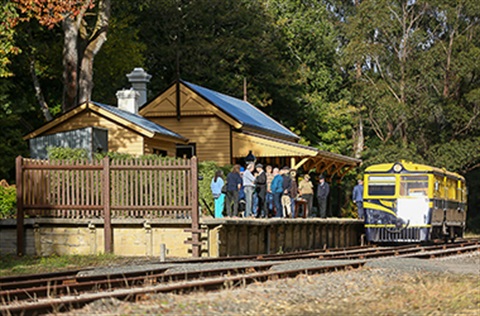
(156, 237)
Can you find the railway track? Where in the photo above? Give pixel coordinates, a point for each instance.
(42, 293)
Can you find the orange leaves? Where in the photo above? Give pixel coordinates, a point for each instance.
(51, 12)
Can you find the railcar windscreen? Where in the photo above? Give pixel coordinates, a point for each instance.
(413, 185)
(381, 185)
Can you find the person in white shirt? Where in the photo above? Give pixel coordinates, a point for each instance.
(249, 188)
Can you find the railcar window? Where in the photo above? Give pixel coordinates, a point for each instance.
(413, 185)
(381, 185)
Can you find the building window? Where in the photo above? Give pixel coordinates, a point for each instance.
(159, 152)
(186, 151)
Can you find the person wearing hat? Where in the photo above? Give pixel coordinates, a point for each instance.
(305, 189)
(261, 190)
(323, 190)
(357, 197)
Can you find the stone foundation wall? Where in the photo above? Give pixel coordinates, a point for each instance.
(138, 237)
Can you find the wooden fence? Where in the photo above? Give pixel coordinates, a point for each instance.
(108, 189)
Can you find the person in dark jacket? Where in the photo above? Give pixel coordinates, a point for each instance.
(357, 197)
(261, 189)
(323, 190)
(234, 183)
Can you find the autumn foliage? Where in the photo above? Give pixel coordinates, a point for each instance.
(51, 12)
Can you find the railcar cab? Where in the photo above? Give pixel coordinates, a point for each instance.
(408, 202)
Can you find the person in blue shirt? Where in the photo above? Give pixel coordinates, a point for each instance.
(277, 191)
(219, 198)
(357, 197)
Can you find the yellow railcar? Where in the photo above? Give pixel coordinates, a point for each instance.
(409, 202)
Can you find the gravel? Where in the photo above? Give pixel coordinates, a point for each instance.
(365, 291)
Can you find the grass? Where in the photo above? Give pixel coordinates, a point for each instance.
(13, 265)
(407, 294)
(419, 295)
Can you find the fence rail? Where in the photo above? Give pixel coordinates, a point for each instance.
(134, 188)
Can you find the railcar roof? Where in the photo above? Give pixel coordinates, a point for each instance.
(412, 167)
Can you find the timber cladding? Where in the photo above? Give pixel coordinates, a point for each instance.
(210, 134)
(201, 122)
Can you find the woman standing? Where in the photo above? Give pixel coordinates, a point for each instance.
(218, 197)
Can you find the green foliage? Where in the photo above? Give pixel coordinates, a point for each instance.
(218, 44)
(8, 17)
(8, 202)
(65, 153)
(408, 70)
(11, 142)
(206, 171)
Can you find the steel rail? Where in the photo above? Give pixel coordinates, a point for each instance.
(66, 302)
(358, 252)
(105, 283)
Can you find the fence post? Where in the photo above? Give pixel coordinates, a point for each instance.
(107, 221)
(20, 214)
(196, 244)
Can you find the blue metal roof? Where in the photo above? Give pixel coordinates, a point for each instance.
(140, 121)
(242, 111)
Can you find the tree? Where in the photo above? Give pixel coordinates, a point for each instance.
(8, 20)
(217, 44)
(84, 25)
(326, 116)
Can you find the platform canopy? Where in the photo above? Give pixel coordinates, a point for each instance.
(300, 156)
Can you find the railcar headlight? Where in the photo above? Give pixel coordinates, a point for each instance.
(397, 167)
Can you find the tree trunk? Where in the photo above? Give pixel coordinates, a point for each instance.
(99, 36)
(70, 64)
(38, 92)
(359, 141)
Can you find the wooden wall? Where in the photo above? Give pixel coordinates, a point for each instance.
(120, 138)
(199, 122)
(210, 134)
(152, 143)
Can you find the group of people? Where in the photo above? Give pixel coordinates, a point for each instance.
(267, 192)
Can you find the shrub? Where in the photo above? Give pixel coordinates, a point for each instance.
(8, 201)
(61, 153)
(206, 170)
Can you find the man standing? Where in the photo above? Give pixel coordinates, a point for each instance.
(261, 189)
(323, 190)
(357, 198)
(234, 183)
(249, 188)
